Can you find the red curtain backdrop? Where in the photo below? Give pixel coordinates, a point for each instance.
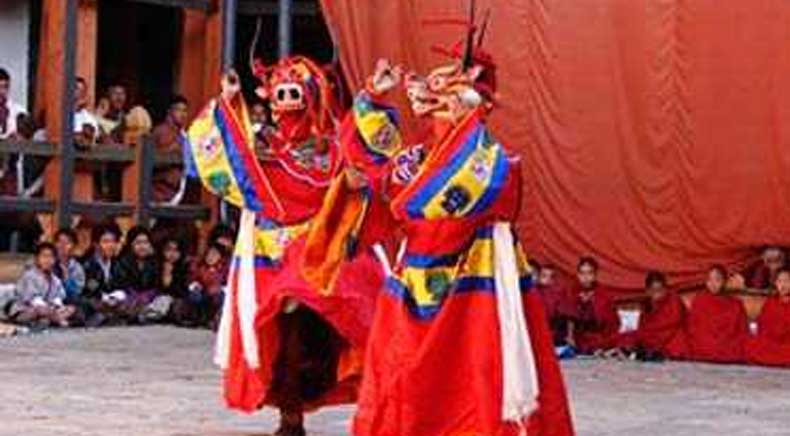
(654, 133)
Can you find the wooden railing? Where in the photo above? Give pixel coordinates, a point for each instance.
(138, 165)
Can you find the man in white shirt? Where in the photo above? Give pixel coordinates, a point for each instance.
(86, 125)
(9, 110)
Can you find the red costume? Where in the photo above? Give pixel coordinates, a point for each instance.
(771, 346)
(717, 328)
(280, 341)
(459, 345)
(597, 325)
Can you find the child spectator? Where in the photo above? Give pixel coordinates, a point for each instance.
(559, 304)
(100, 268)
(136, 280)
(206, 290)
(771, 346)
(717, 323)
(597, 327)
(661, 324)
(67, 268)
(173, 273)
(40, 296)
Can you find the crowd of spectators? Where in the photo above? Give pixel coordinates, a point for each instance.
(121, 280)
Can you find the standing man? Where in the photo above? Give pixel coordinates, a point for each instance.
(9, 110)
(169, 185)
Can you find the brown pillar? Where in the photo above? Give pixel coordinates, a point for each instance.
(200, 69)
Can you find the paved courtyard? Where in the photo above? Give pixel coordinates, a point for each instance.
(158, 381)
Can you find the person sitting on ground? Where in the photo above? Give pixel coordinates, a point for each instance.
(224, 235)
(40, 296)
(559, 304)
(169, 184)
(661, 330)
(67, 268)
(206, 288)
(135, 283)
(597, 326)
(100, 268)
(717, 325)
(174, 275)
(771, 345)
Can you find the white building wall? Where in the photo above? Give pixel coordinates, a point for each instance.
(14, 45)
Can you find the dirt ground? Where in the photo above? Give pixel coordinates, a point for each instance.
(159, 381)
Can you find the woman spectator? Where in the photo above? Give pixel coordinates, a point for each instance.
(174, 275)
(136, 281)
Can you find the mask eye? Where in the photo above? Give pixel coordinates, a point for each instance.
(437, 83)
(280, 94)
(294, 94)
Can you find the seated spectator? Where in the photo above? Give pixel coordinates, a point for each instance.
(67, 268)
(9, 110)
(206, 289)
(661, 331)
(40, 296)
(100, 268)
(135, 282)
(173, 272)
(169, 185)
(762, 275)
(559, 304)
(771, 345)
(597, 326)
(717, 324)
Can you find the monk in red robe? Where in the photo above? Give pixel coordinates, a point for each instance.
(771, 346)
(717, 324)
(661, 324)
(559, 304)
(597, 324)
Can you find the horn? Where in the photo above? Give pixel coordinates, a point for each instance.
(254, 44)
(470, 37)
(483, 28)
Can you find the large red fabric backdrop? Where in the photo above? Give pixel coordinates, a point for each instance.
(654, 132)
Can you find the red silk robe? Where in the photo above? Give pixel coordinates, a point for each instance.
(661, 327)
(597, 323)
(717, 329)
(771, 346)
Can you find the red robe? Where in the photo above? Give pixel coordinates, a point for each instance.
(717, 328)
(560, 307)
(771, 346)
(597, 325)
(661, 327)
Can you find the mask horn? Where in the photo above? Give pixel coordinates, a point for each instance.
(470, 37)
